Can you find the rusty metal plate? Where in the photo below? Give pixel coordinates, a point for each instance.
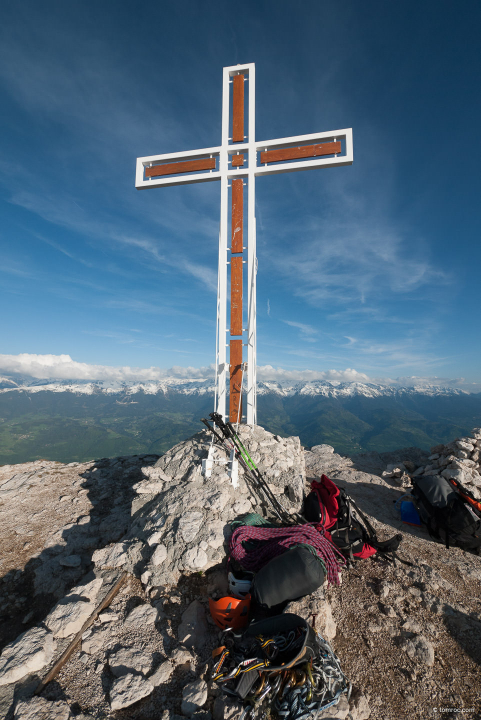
(237, 160)
(238, 109)
(237, 216)
(304, 151)
(236, 296)
(180, 167)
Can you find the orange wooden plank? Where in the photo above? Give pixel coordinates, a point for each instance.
(238, 109)
(180, 167)
(237, 216)
(235, 398)
(237, 160)
(304, 151)
(236, 295)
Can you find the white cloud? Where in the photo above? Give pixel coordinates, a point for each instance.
(353, 262)
(62, 367)
(268, 372)
(305, 329)
(307, 332)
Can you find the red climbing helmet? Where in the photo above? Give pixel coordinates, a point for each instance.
(230, 612)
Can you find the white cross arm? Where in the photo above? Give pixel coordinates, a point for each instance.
(251, 150)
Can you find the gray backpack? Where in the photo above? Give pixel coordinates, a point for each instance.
(447, 514)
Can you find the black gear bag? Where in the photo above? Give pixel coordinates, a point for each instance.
(447, 514)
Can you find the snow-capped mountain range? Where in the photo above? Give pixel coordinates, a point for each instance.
(201, 386)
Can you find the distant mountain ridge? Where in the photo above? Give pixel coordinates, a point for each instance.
(79, 420)
(201, 386)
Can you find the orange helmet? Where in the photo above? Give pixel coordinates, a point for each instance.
(230, 612)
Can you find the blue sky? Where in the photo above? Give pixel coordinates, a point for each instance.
(369, 271)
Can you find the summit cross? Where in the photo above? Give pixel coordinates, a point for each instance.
(236, 163)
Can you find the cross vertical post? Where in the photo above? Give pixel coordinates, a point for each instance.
(238, 159)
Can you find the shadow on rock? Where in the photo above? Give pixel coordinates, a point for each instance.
(466, 630)
(65, 560)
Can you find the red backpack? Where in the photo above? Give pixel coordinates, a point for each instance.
(334, 509)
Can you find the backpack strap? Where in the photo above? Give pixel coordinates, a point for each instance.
(466, 494)
(384, 546)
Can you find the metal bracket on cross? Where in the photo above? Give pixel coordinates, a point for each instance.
(232, 466)
(238, 161)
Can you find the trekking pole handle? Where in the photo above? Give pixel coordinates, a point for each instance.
(217, 420)
(209, 427)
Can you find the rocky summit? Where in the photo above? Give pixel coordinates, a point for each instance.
(115, 560)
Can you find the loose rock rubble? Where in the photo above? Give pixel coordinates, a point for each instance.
(408, 636)
(460, 460)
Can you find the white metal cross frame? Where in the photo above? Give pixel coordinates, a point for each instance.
(238, 161)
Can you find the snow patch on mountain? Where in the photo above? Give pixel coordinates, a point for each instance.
(200, 386)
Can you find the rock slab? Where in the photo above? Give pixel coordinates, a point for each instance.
(30, 652)
(128, 690)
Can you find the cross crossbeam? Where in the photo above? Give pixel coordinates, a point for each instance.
(237, 162)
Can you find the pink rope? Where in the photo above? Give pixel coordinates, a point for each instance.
(276, 541)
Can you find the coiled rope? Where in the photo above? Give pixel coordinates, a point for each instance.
(277, 540)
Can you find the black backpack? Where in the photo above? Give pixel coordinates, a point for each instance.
(447, 514)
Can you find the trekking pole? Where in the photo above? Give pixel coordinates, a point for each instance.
(258, 481)
(229, 433)
(209, 427)
(256, 469)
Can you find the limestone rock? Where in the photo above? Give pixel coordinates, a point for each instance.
(180, 656)
(148, 487)
(340, 711)
(419, 649)
(155, 474)
(37, 708)
(123, 554)
(129, 660)
(455, 473)
(322, 449)
(194, 695)
(155, 538)
(359, 705)
(128, 690)
(159, 555)
(95, 641)
(324, 621)
(31, 651)
(412, 627)
(195, 558)
(68, 617)
(72, 611)
(142, 615)
(226, 708)
(192, 631)
(465, 445)
(190, 524)
(215, 534)
(162, 674)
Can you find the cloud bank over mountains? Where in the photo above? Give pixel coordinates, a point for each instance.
(63, 367)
